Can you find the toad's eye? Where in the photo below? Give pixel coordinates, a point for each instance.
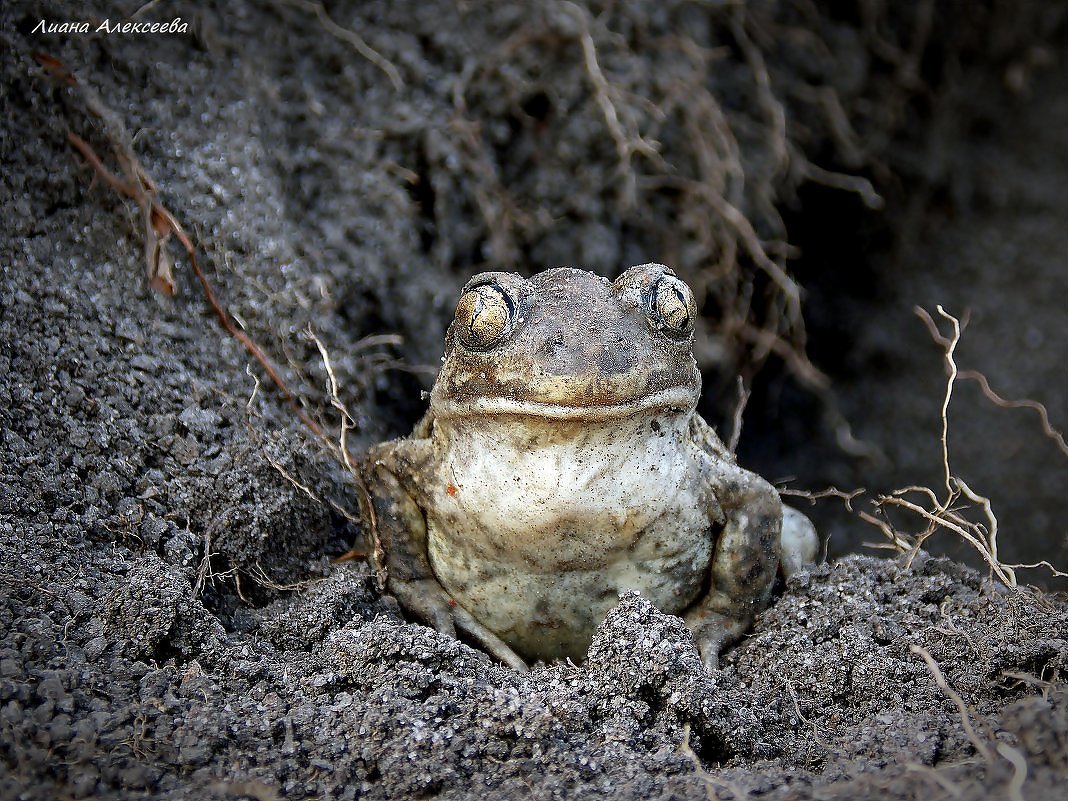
(673, 303)
(484, 315)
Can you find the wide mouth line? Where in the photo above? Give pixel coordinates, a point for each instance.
(679, 398)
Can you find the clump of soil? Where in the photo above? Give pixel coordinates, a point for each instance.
(327, 693)
(171, 624)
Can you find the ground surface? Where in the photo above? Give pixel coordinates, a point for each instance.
(171, 625)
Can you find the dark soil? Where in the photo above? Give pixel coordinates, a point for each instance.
(995, 254)
(171, 624)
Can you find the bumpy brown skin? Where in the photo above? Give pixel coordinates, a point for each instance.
(561, 462)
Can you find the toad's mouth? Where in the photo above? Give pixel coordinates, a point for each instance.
(673, 399)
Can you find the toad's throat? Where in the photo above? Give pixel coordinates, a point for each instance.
(674, 399)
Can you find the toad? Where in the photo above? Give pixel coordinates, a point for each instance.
(562, 461)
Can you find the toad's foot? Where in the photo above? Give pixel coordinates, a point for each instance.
(426, 599)
(712, 631)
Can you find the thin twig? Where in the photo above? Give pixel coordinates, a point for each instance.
(1019, 770)
(378, 553)
(1005, 574)
(626, 144)
(160, 223)
(830, 492)
(739, 411)
(341, 510)
(965, 718)
(1026, 403)
(950, 345)
(931, 773)
(943, 512)
(849, 183)
(253, 349)
(772, 106)
(354, 39)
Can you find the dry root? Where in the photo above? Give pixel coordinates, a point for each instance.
(987, 744)
(159, 223)
(340, 450)
(352, 38)
(949, 512)
(959, 509)
(679, 149)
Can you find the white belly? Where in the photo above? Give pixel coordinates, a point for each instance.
(536, 534)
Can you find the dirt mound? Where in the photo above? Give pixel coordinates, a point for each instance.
(327, 693)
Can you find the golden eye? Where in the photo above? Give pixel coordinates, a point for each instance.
(484, 315)
(674, 304)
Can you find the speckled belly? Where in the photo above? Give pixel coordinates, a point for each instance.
(537, 545)
(552, 612)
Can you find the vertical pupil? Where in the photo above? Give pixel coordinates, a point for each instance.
(679, 298)
(672, 304)
(480, 307)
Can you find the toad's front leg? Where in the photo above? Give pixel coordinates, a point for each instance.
(402, 529)
(745, 560)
